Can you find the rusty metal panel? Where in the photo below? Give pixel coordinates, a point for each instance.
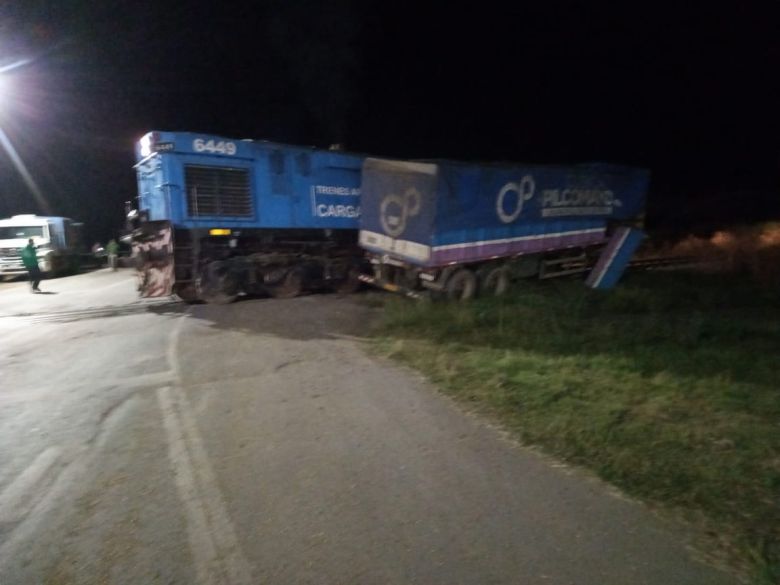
(153, 253)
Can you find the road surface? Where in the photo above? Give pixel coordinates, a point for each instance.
(148, 442)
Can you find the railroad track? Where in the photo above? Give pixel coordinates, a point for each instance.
(665, 262)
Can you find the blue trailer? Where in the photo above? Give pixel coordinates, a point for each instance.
(216, 217)
(460, 229)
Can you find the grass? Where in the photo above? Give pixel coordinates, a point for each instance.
(667, 386)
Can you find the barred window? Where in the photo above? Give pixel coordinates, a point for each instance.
(221, 191)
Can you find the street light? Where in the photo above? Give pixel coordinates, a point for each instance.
(6, 97)
(6, 80)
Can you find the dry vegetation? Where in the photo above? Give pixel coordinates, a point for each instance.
(752, 251)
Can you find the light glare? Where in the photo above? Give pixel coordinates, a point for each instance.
(146, 145)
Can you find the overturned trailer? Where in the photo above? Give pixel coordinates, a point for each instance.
(458, 230)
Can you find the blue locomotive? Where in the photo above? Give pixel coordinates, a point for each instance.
(216, 217)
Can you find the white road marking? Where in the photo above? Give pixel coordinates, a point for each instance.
(173, 348)
(213, 541)
(17, 499)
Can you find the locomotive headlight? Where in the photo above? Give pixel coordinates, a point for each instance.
(146, 145)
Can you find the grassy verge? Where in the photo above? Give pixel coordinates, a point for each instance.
(668, 387)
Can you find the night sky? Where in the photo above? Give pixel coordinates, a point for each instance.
(689, 91)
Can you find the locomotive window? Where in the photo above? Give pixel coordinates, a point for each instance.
(217, 191)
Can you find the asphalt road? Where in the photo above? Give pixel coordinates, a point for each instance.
(145, 443)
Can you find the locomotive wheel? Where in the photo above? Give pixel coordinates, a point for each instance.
(495, 282)
(217, 285)
(461, 286)
(290, 286)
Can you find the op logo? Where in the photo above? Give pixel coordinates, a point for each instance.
(395, 210)
(523, 191)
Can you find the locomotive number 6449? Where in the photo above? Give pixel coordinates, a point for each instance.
(214, 147)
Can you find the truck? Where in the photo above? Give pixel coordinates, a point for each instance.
(57, 240)
(218, 217)
(444, 228)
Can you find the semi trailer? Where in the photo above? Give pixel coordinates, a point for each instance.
(446, 228)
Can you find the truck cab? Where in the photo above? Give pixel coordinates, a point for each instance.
(56, 240)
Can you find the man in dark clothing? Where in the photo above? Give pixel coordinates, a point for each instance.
(30, 261)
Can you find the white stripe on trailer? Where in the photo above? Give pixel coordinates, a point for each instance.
(401, 247)
(518, 239)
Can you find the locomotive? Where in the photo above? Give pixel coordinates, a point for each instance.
(217, 217)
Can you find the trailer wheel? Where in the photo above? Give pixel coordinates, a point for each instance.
(461, 286)
(218, 286)
(495, 282)
(290, 286)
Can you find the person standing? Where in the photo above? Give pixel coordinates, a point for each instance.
(30, 261)
(112, 248)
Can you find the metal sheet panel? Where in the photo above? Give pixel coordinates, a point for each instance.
(615, 258)
(398, 208)
(153, 253)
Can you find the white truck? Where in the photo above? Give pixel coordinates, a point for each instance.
(57, 240)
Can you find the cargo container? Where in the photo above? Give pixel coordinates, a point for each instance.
(457, 229)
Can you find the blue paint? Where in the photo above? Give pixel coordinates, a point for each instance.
(442, 212)
(289, 186)
(615, 258)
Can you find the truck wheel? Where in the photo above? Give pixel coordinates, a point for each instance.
(290, 286)
(218, 286)
(495, 282)
(461, 286)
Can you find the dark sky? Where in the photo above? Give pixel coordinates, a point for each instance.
(688, 91)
